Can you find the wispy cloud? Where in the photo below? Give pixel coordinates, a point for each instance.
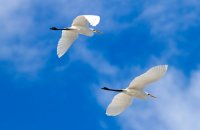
(24, 58)
(174, 109)
(20, 29)
(18, 47)
(167, 18)
(94, 59)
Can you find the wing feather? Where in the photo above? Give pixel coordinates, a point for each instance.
(119, 103)
(85, 20)
(152, 75)
(67, 38)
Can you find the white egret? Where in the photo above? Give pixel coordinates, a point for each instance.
(135, 90)
(80, 25)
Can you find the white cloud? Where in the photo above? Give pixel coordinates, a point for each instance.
(20, 29)
(178, 98)
(15, 18)
(25, 58)
(94, 59)
(166, 18)
(18, 47)
(175, 108)
(21, 14)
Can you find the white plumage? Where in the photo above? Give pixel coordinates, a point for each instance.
(148, 77)
(119, 103)
(86, 20)
(80, 25)
(67, 38)
(135, 90)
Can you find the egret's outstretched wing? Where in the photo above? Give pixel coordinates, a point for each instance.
(153, 74)
(119, 103)
(85, 20)
(65, 42)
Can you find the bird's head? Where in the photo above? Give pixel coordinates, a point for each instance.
(97, 31)
(152, 96)
(148, 94)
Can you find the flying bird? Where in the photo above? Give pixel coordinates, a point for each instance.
(80, 25)
(135, 90)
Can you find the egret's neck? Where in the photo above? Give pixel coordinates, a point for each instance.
(54, 28)
(116, 90)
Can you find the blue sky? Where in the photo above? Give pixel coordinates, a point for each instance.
(39, 91)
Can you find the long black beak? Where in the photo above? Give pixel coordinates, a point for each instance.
(152, 96)
(97, 31)
(116, 90)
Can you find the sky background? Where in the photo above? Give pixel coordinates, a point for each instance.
(38, 91)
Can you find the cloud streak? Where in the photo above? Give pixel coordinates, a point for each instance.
(19, 48)
(167, 18)
(22, 39)
(174, 109)
(95, 60)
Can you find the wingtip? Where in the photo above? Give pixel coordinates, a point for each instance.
(166, 67)
(109, 114)
(59, 56)
(97, 20)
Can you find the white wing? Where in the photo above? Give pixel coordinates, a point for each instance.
(65, 42)
(85, 20)
(152, 75)
(119, 103)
